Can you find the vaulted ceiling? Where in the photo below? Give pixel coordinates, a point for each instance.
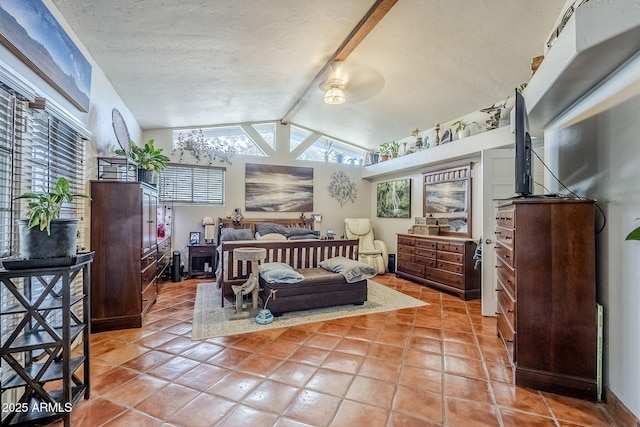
(193, 63)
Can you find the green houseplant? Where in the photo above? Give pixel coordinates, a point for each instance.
(148, 158)
(384, 150)
(43, 234)
(394, 148)
(461, 128)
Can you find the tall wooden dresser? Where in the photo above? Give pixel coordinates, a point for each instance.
(123, 236)
(445, 263)
(546, 315)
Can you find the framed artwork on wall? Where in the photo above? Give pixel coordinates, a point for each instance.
(447, 199)
(270, 188)
(33, 34)
(394, 199)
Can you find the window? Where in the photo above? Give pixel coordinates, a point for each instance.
(6, 137)
(337, 151)
(298, 135)
(37, 148)
(225, 140)
(268, 132)
(192, 185)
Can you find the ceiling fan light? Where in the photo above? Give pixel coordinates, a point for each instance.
(334, 95)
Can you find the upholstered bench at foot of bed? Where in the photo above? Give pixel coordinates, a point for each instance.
(320, 288)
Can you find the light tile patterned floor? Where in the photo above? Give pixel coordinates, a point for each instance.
(440, 364)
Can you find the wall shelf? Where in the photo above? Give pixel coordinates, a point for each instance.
(597, 39)
(467, 149)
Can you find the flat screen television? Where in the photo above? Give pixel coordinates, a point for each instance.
(522, 143)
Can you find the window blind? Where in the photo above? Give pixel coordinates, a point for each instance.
(192, 184)
(6, 138)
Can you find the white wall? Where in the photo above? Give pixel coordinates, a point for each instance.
(188, 218)
(386, 229)
(595, 150)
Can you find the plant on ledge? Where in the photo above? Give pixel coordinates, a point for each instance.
(147, 157)
(394, 148)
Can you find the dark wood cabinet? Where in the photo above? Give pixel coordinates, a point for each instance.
(164, 258)
(444, 263)
(547, 295)
(123, 236)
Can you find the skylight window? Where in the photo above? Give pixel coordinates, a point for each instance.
(228, 137)
(326, 149)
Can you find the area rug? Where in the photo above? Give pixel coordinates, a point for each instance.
(210, 320)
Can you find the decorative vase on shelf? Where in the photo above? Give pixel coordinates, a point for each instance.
(464, 133)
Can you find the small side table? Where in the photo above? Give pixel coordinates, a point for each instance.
(201, 259)
(253, 256)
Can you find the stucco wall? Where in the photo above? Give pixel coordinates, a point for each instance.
(594, 149)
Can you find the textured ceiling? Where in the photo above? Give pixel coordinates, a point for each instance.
(197, 62)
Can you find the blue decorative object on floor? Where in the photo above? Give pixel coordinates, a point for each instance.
(264, 317)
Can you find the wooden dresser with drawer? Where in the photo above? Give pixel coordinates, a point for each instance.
(444, 263)
(546, 317)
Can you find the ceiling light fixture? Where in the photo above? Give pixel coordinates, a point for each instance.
(335, 94)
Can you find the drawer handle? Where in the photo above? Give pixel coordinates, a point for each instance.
(509, 311)
(509, 340)
(507, 237)
(498, 266)
(499, 290)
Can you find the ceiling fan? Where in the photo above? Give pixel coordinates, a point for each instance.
(351, 82)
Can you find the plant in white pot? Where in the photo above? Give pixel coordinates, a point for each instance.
(461, 128)
(44, 234)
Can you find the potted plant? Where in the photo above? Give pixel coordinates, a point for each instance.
(418, 144)
(43, 234)
(150, 160)
(394, 148)
(339, 157)
(384, 151)
(461, 128)
(328, 151)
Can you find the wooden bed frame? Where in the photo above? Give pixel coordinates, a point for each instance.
(296, 253)
(250, 223)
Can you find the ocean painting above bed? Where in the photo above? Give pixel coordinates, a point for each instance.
(271, 188)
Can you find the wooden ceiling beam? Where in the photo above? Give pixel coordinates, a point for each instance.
(364, 27)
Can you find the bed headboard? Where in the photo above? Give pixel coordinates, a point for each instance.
(250, 223)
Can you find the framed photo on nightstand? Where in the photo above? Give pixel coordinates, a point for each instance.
(194, 238)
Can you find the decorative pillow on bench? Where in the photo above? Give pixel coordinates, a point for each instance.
(279, 272)
(352, 270)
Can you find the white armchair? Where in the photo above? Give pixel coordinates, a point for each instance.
(372, 252)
